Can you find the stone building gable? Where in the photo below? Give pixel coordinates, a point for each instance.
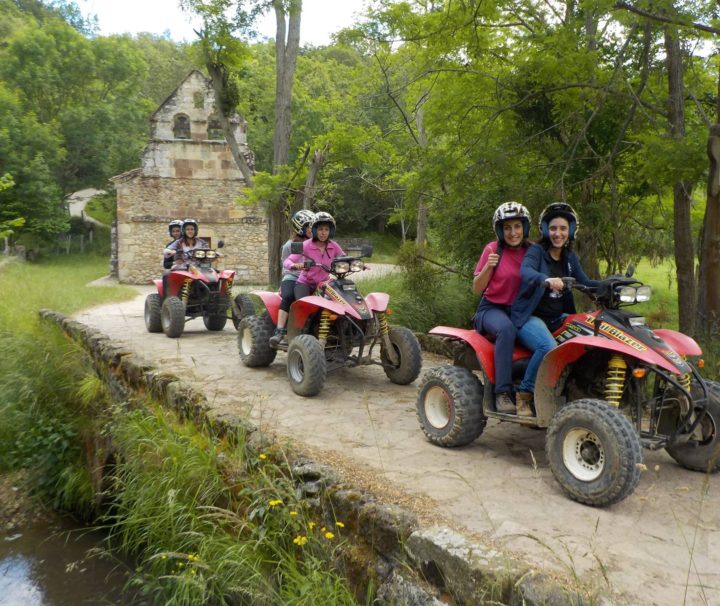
(188, 171)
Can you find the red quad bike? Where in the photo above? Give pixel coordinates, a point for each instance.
(197, 291)
(611, 386)
(325, 329)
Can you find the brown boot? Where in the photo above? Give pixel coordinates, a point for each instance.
(504, 403)
(524, 401)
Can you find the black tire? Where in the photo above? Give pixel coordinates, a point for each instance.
(594, 452)
(705, 456)
(243, 306)
(450, 406)
(153, 306)
(254, 335)
(408, 349)
(306, 366)
(215, 322)
(172, 316)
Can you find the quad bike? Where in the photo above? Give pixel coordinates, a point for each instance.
(611, 386)
(324, 329)
(199, 290)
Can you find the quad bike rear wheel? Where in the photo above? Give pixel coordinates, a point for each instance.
(306, 366)
(172, 315)
(407, 350)
(243, 306)
(153, 305)
(214, 322)
(704, 454)
(254, 335)
(449, 406)
(594, 452)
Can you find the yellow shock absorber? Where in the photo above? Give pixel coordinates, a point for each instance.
(324, 327)
(185, 290)
(615, 382)
(685, 380)
(383, 324)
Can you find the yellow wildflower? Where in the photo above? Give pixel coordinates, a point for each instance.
(275, 502)
(293, 513)
(311, 525)
(329, 535)
(339, 524)
(300, 540)
(262, 456)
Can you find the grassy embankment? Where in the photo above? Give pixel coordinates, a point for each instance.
(207, 520)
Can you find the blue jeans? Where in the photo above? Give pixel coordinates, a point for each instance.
(536, 337)
(494, 321)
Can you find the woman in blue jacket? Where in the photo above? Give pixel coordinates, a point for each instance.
(543, 301)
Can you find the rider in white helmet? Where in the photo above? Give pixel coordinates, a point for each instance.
(497, 278)
(189, 241)
(175, 231)
(301, 222)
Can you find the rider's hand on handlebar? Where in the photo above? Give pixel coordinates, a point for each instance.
(307, 265)
(555, 283)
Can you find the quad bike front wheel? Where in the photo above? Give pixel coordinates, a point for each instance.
(242, 307)
(449, 406)
(594, 452)
(172, 316)
(254, 335)
(306, 366)
(153, 306)
(213, 322)
(704, 454)
(407, 349)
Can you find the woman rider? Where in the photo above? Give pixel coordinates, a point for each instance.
(497, 278)
(174, 229)
(543, 301)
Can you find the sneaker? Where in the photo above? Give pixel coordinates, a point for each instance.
(504, 404)
(279, 338)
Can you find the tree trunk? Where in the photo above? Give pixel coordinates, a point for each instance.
(286, 52)
(684, 250)
(708, 313)
(422, 213)
(218, 76)
(309, 189)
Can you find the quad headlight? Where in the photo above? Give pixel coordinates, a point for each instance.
(199, 254)
(632, 294)
(342, 267)
(357, 265)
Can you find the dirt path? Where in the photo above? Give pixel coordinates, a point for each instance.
(659, 547)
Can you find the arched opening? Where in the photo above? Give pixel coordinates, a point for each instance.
(181, 127)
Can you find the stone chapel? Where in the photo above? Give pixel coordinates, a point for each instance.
(188, 172)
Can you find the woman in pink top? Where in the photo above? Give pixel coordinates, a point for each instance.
(322, 250)
(497, 278)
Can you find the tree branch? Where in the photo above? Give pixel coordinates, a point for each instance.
(677, 21)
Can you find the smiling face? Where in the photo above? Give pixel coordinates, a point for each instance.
(513, 232)
(190, 231)
(323, 232)
(559, 232)
(175, 232)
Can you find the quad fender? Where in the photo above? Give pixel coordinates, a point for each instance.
(158, 286)
(484, 349)
(377, 301)
(226, 274)
(303, 308)
(682, 344)
(271, 301)
(555, 363)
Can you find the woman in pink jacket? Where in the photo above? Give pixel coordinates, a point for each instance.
(321, 249)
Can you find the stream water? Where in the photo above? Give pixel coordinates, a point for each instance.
(47, 564)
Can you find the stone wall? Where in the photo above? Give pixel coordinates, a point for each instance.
(146, 205)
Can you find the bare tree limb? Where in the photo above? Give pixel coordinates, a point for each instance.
(662, 19)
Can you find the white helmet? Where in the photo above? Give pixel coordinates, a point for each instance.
(323, 217)
(507, 211)
(301, 219)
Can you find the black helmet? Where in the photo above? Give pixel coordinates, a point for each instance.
(174, 223)
(323, 217)
(507, 211)
(187, 222)
(300, 219)
(558, 209)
